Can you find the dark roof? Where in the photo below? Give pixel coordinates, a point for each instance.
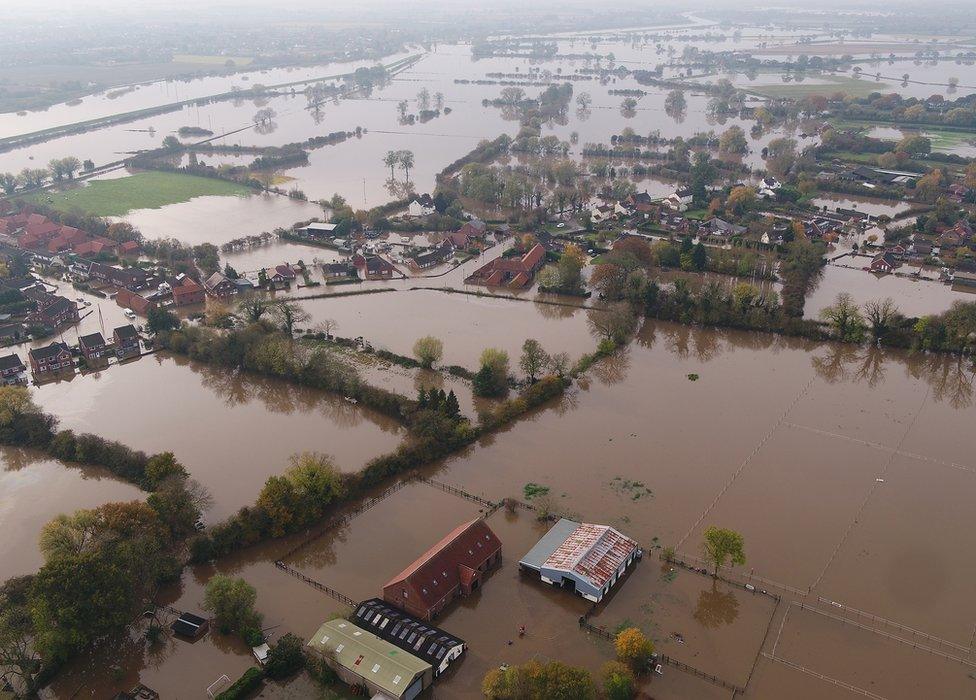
(189, 625)
(414, 636)
(126, 332)
(49, 351)
(91, 339)
(10, 361)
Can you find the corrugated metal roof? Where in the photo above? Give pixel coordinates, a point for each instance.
(414, 636)
(592, 552)
(367, 655)
(550, 541)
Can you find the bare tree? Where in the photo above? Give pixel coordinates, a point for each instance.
(289, 313)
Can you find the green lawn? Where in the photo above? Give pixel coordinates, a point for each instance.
(149, 190)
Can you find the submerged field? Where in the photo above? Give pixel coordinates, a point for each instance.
(151, 190)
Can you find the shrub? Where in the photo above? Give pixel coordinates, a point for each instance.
(285, 658)
(243, 686)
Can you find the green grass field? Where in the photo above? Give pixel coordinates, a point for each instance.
(851, 86)
(211, 60)
(149, 190)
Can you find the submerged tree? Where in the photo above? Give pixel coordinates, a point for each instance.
(721, 546)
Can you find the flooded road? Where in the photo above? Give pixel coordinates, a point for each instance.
(230, 431)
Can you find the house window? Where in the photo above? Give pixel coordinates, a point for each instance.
(376, 667)
(397, 679)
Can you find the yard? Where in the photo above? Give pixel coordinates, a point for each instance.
(149, 190)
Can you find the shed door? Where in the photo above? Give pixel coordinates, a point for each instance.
(414, 689)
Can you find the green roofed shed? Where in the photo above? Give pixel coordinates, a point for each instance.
(360, 657)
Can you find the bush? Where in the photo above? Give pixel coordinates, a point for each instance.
(243, 686)
(285, 658)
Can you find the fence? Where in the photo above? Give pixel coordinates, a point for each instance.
(455, 491)
(703, 570)
(826, 679)
(344, 518)
(331, 592)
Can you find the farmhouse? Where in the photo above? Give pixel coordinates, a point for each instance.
(421, 206)
(373, 267)
(583, 558)
(361, 658)
(423, 640)
(510, 272)
(130, 300)
(188, 292)
(453, 567)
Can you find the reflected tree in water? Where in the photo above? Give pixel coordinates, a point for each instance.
(872, 367)
(950, 376)
(716, 608)
(835, 362)
(613, 368)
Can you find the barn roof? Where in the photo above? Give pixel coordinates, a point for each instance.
(591, 552)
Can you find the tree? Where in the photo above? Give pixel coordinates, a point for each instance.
(423, 100)
(428, 350)
(845, 318)
(741, 199)
(702, 174)
(18, 657)
(633, 649)
(70, 166)
(285, 658)
(733, 141)
(721, 545)
(171, 143)
(881, 315)
(159, 320)
(616, 322)
(231, 600)
(390, 160)
(253, 307)
(553, 680)
(289, 313)
(534, 359)
(8, 181)
(618, 681)
(406, 162)
(492, 376)
(699, 256)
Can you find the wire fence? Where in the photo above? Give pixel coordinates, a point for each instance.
(331, 592)
(826, 679)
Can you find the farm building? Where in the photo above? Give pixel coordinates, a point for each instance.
(453, 567)
(423, 640)
(360, 658)
(581, 557)
(190, 626)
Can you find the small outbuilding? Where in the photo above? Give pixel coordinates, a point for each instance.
(361, 658)
(581, 557)
(190, 626)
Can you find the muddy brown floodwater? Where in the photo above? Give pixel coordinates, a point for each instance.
(232, 431)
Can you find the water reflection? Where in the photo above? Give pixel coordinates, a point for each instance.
(716, 608)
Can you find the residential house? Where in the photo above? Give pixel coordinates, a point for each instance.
(469, 235)
(339, 270)
(412, 635)
(516, 273)
(583, 558)
(92, 346)
(454, 567)
(128, 299)
(720, 227)
(129, 248)
(884, 262)
(602, 212)
(360, 658)
(430, 258)
(134, 278)
(50, 358)
(11, 369)
(280, 276)
(51, 310)
(373, 267)
(188, 292)
(421, 206)
(680, 199)
(125, 340)
(220, 287)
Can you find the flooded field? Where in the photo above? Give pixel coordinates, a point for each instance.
(466, 324)
(913, 297)
(231, 431)
(36, 489)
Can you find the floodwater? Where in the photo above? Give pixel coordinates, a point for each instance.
(842, 467)
(36, 489)
(231, 431)
(466, 324)
(217, 220)
(913, 297)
